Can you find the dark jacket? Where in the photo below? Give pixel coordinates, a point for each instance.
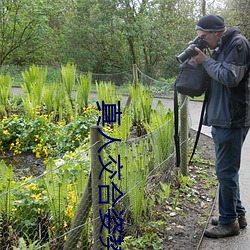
(228, 103)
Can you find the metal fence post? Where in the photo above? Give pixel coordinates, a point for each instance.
(96, 141)
(184, 135)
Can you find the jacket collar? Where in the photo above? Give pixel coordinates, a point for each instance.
(231, 32)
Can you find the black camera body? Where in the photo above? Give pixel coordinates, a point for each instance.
(190, 51)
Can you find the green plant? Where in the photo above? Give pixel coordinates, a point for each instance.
(64, 183)
(135, 159)
(30, 208)
(147, 241)
(83, 91)
(42, 136)
(56, 187)
(123, 131)
(176, 199)
(62, 104)
(6, 196)
(48, 98)
(165, 190)
(5, 90)
(184, 181)
(28, 244)
(161, 128)
(106, 92)
(34, 81)
(68, 74)
(141, 103)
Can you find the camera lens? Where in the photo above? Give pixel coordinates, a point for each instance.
(187, 53)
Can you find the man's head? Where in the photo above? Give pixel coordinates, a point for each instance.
(211, 28)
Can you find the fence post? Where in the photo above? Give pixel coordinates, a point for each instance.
(80, 218)
(135, 82)
(184, 135)
(96, 141)
(135, 74)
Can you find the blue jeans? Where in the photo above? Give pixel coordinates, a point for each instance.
(228, 145)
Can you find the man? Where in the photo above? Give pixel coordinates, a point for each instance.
(228, 112)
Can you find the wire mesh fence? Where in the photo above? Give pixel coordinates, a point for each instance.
(67, 207)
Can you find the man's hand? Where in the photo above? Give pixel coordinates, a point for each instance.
(200, 58)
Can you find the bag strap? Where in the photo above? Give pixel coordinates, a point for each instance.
(199, 127)
(176, 126)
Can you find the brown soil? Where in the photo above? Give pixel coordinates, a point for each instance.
(186, 223)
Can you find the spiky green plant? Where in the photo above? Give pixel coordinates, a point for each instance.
(6, 184)
(48, 98)
(5, 90)
(135, 159)
(83, 90)
(136, 181)
(161, 128)
(56, 184)
(33, 85)
(123, 131)
(106, 92)
(62, 106)
(68, 74)
(141, 103)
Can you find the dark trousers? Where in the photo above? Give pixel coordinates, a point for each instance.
(228, 145)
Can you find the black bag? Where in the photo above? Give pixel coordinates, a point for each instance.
(192, 80)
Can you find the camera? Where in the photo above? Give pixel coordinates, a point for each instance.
(190, 51)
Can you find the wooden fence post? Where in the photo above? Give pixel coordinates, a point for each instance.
(135, 82)
(135, 74)
(184, 135)
(80, 218)
(96, 141)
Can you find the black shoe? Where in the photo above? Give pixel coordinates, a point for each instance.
(221, 231)
(241, 219)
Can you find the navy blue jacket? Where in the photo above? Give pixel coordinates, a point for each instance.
(228, 103)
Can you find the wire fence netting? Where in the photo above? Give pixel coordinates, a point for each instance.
(56, 203)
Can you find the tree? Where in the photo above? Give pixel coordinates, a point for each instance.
(20, 22)
(111, 35)
(237, 13)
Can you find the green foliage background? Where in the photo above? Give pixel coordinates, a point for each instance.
(106, 36)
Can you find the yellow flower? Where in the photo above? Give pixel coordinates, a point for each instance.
(31, 187)
(45, 151)
(17, 152)
(69, 211)
(73, 199)
(38, 155)
(37, 196)
(14, 209)
(6, 132)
